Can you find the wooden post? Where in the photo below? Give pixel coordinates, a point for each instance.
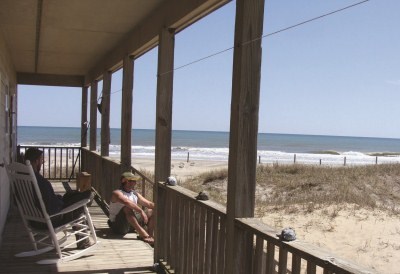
(93, 116)
(83, 181)
(187, 157)
(243, 125)
(259, 159)
(344, 161)
(105, 114)
(84, 120)
(376, 160)
(162, 168)
(126, 113)
(320, 161)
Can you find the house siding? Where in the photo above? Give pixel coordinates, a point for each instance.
(8, 92)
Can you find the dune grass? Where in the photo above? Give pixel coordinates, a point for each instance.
(302, 187)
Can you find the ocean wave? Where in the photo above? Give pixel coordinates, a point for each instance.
(326, 152)
(263, 156)
(354, 153)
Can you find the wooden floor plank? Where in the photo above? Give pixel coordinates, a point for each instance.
(115, 254)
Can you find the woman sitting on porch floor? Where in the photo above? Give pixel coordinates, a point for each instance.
(125, 210)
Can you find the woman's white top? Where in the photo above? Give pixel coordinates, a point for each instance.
(115, 208)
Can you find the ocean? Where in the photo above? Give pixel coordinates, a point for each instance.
(211, 145)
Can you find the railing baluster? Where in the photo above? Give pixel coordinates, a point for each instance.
(282, 260)
(58, 163)
(180, 259)
(182, 229)
(258, 255)
(174, 228)
(167, 228)
(61, 161)
(221, 246)
(270, 266)
(214, 249)
(49, 163)
(296, 264)
(196, 238)
(190, 238)
(209, 240)
(55, 163)
(311, 267)
(67, 162)
(202, 239)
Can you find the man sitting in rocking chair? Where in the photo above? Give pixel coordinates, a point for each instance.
(55, 203)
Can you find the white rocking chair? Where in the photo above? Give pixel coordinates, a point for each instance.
(24, 186)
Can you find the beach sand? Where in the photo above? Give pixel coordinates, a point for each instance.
(181, 170)
(370, 238)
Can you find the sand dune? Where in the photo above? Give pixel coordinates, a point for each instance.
(369, 238)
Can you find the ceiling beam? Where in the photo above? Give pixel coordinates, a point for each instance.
(38, 28)
(50, 79)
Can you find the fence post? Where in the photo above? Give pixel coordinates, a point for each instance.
(259, 159)
(294, 160)
(188, 157)
(320, 161)
(344, 161)
(376, 160)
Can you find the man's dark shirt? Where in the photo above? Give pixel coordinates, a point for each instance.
(54, 203)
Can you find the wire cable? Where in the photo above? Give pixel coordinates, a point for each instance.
(267, 35)
(256, 39)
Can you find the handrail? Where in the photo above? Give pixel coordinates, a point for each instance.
(194, 241)
(144, 177)
(302, 254)
(60, 162)
(106, 173)
(144, 180)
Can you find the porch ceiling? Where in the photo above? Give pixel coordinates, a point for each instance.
(72, 42)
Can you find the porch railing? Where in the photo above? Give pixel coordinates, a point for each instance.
(194, 232)
(193, 238)
(194, 241)
(60, 162)
(106, 173)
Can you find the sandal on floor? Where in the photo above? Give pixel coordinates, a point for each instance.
(148, 240)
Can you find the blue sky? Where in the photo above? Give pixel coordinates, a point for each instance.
(335, 76)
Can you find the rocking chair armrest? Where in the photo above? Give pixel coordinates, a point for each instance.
(72, 207)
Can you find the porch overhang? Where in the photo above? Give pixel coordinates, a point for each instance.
(72, 43)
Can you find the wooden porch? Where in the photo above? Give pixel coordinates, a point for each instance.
(114, 254)
(191, 236)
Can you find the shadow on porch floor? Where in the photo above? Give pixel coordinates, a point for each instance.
(114, 254)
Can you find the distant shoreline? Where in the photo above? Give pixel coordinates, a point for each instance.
(214, 146)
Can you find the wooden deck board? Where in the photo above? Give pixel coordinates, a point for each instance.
(113, 255)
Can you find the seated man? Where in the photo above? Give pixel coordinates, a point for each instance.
(125, 210)
(55, 203)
